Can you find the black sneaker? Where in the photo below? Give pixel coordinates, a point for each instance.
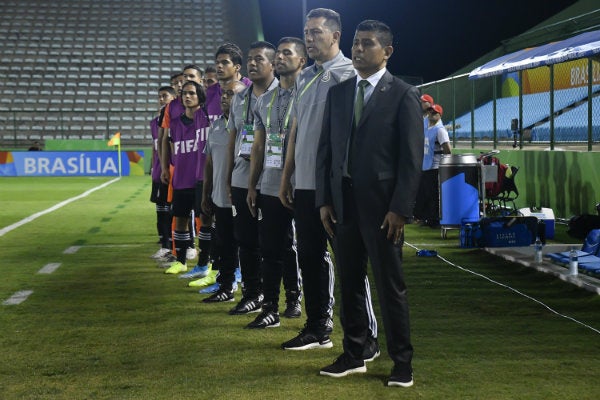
(371, 350)
(344, 365)
(247, 305)
(306, 341)
(266, 319)
(401, 376)
(222, 295)
(292, 309)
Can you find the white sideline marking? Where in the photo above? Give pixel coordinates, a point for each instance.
(49, 268)
(71, 250)
(55, 207)
(17, 298)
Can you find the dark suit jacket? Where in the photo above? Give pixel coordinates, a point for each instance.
(387, 149)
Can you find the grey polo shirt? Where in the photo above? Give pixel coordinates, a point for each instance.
(216, 147)
(308, 109)
(239, 109)
(278, 102)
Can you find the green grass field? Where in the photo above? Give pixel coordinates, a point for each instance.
(108, 324)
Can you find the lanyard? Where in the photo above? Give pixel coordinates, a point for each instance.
(246, 110)
(310, 83)
(286, 111)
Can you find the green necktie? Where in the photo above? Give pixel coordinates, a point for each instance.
(360, 99)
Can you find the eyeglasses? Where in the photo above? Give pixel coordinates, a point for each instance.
(188, 92)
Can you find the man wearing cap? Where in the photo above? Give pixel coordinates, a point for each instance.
(437, 142)
(426, 103)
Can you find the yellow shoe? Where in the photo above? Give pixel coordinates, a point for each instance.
(176, 268)
(208, 280)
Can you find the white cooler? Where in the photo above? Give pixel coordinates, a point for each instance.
(545, 214)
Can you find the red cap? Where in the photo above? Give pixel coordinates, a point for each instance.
(438, 109)
(427, 98)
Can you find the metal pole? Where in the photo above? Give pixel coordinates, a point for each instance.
(551, 106)
(521, 109)
(453, 112)
(473, 114)
(495, 131)
(590, 82)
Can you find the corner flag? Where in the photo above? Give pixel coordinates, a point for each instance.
(115, 140)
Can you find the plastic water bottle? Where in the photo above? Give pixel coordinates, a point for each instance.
(573, 262)
(538, 250)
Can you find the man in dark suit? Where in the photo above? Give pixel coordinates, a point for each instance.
(367, 175)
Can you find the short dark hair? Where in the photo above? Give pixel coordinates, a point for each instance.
(169, 89)
(261, 44)
(298, 43)
(381, 30)
(176, 75)
(199, 91)
(332, 19)
(194, 66)
(209, 69)
(233, 50)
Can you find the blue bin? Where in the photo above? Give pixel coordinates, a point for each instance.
(459, 189)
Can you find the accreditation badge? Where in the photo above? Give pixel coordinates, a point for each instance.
(274, 151)
(247, 140)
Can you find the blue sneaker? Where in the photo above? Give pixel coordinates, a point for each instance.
(210, 289)
(238, 275)
(215, 288)
(196, 272)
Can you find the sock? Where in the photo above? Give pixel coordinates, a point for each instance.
(204, 239)
(181, 240)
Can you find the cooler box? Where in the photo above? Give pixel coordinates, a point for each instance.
(508, 231)
(545, 214)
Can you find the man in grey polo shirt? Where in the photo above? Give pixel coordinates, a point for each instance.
(271, 126)
(322, 33)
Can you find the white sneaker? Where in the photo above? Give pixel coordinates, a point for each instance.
(191, 253)
(160, 253)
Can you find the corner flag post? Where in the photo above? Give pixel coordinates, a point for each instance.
(116, 141)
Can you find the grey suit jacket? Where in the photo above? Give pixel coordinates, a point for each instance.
(387, 149)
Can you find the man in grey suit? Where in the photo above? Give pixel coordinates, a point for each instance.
(367, 175)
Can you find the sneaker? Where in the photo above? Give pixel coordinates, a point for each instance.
(306, 341)
(344, 365)
(208, 280)
(197, 272)
(191, 253)
(247, 305)
(176, 268)
(401, 376)
(266, 319)
(167, 260)
(219, 297)
(214, 288)
(371, 350)
(292, 309)
(160, 253)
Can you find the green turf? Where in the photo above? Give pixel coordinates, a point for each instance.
(108, 324)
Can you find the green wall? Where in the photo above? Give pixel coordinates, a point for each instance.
(568, 182)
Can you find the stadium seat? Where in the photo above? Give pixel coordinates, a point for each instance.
(588, 253)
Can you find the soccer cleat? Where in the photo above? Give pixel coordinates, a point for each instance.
(344, 365)
(176, 268)
(160, 253)
(247, 305)
(191, 253)
(219, 297)
(208, 280)
(196, 272)
(210, 289)
(266, 319)
(166, 261)
(306, 341)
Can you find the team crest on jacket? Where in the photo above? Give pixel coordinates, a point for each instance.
(326, 76)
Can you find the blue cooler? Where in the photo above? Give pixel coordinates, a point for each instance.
(459, 189)
(543, 214)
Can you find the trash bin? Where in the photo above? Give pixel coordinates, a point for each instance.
(459, 189)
